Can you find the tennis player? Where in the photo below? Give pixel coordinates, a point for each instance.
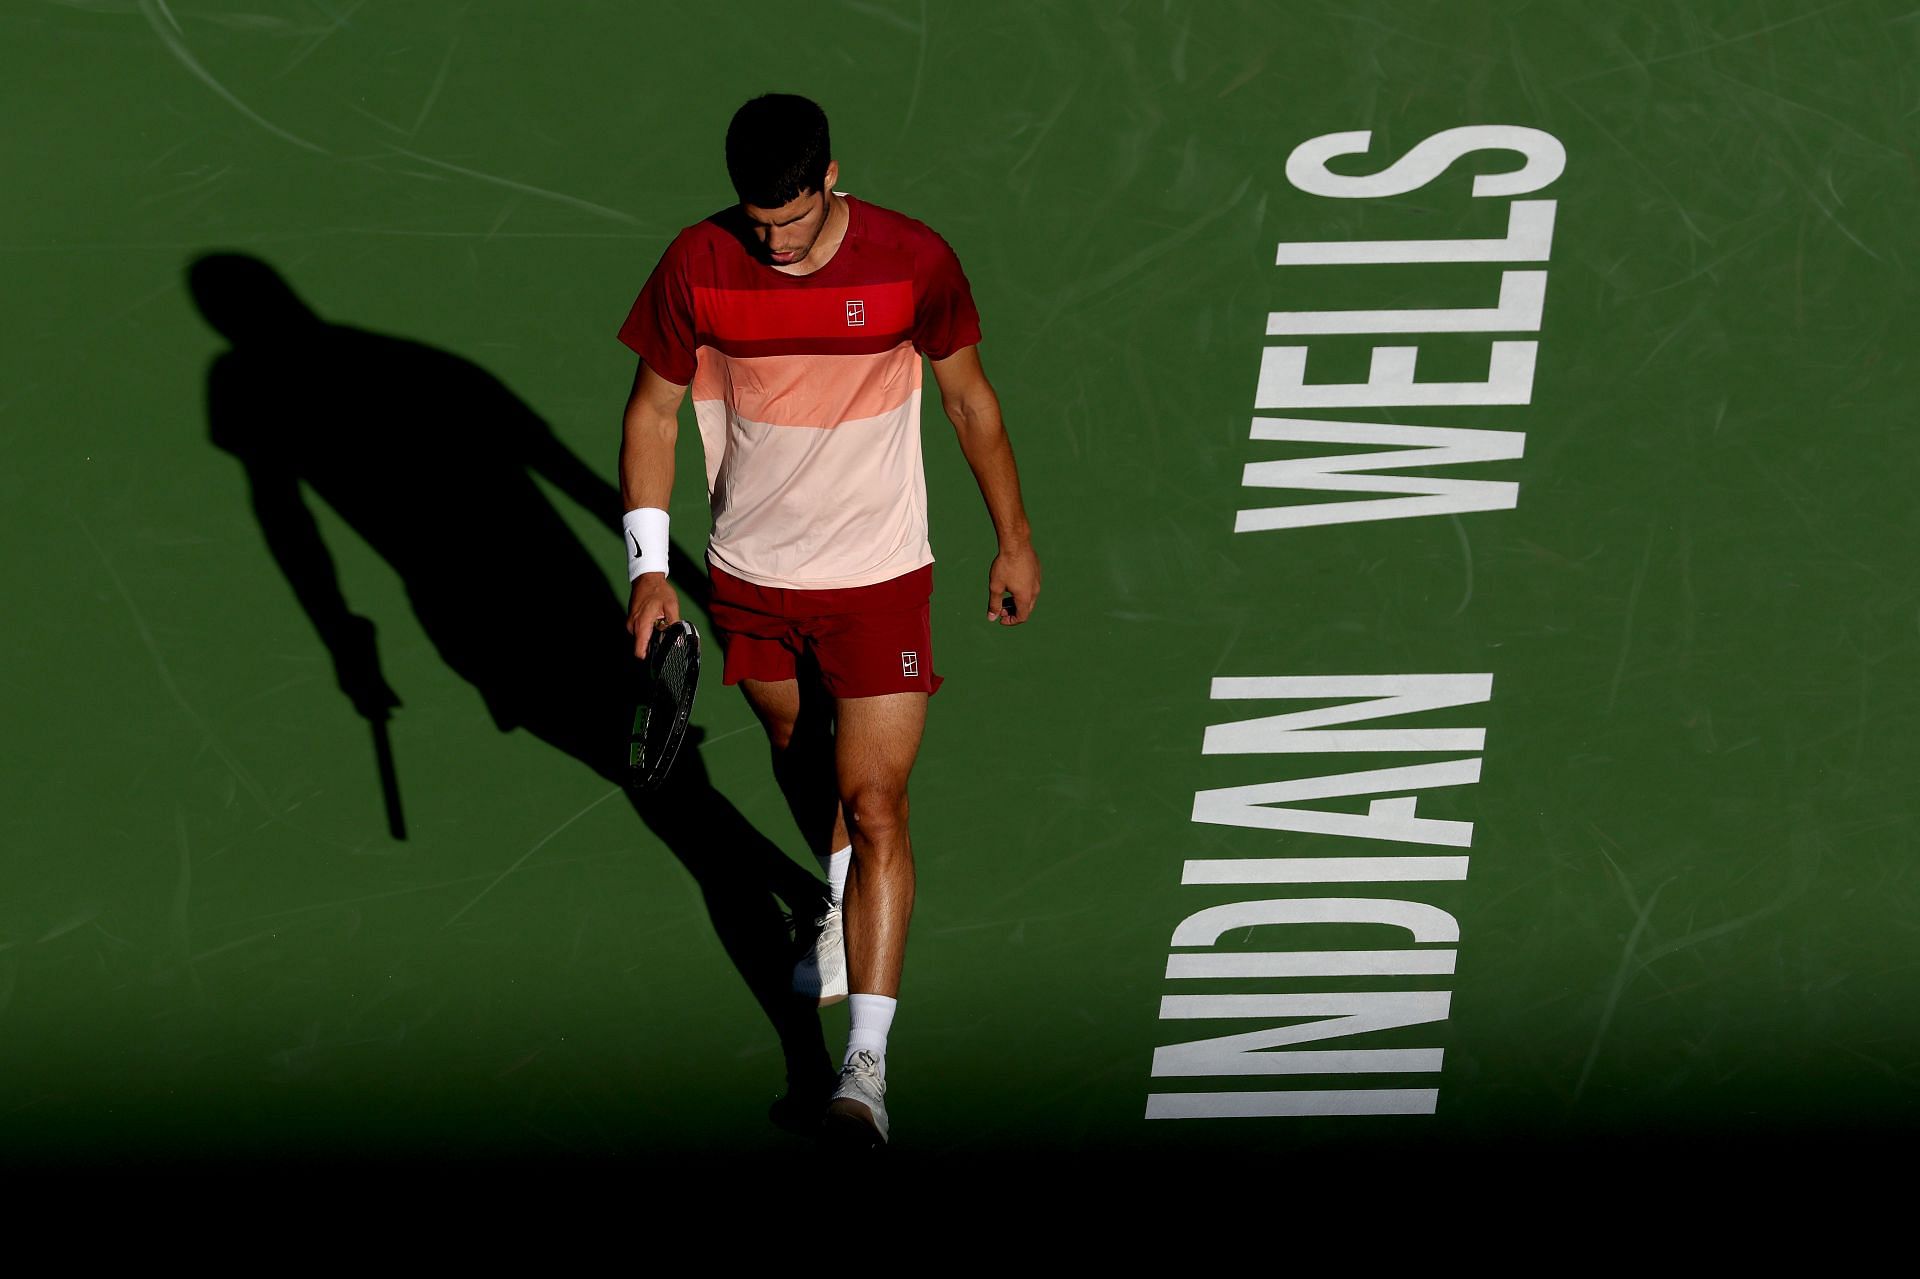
(799, 318)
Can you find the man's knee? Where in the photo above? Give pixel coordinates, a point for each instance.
(799, 739)
(877, 815)
(779, 735)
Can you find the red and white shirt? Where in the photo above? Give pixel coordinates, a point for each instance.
(807, 391)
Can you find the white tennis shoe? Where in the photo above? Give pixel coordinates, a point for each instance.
(857, 1115)
(822, 971)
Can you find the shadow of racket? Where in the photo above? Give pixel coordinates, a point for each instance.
(389, 779)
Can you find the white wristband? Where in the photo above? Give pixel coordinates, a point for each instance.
(646, 531)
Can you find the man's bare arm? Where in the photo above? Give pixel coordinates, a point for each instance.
(974, 410)
(648, 432)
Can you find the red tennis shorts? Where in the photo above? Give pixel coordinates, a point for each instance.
(867, 640)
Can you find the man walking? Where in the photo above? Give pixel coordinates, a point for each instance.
(799, 317)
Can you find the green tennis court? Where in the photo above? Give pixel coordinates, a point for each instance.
(1629, 861)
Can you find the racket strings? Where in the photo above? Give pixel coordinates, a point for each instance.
(673, 666)
(673, 669)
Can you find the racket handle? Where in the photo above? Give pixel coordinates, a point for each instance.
(389, 780)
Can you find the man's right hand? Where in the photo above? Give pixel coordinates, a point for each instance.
(653, 604)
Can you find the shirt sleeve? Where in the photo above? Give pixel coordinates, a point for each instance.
(944, 318)
(660, 328)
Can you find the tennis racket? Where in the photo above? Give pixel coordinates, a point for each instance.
(666, 699)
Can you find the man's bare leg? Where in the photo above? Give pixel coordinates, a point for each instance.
(799, 731)
(860, 768)
(798, 718)
(801, 739)
(875, 744)
(874, 749)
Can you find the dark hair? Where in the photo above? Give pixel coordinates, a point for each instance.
(778, 149)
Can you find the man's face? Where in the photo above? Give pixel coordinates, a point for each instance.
(787, 234)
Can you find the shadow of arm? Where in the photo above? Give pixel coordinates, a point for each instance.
(561, 467)
(293, 538)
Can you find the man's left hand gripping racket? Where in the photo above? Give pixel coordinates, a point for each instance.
(666, 699)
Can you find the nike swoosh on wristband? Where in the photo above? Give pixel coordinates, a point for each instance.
(636, 545)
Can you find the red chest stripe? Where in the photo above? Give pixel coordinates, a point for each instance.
(804, 315)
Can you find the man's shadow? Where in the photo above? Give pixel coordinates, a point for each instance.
(431, 460)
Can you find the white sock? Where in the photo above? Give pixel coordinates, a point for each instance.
(872, 1019)
(835, 869)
